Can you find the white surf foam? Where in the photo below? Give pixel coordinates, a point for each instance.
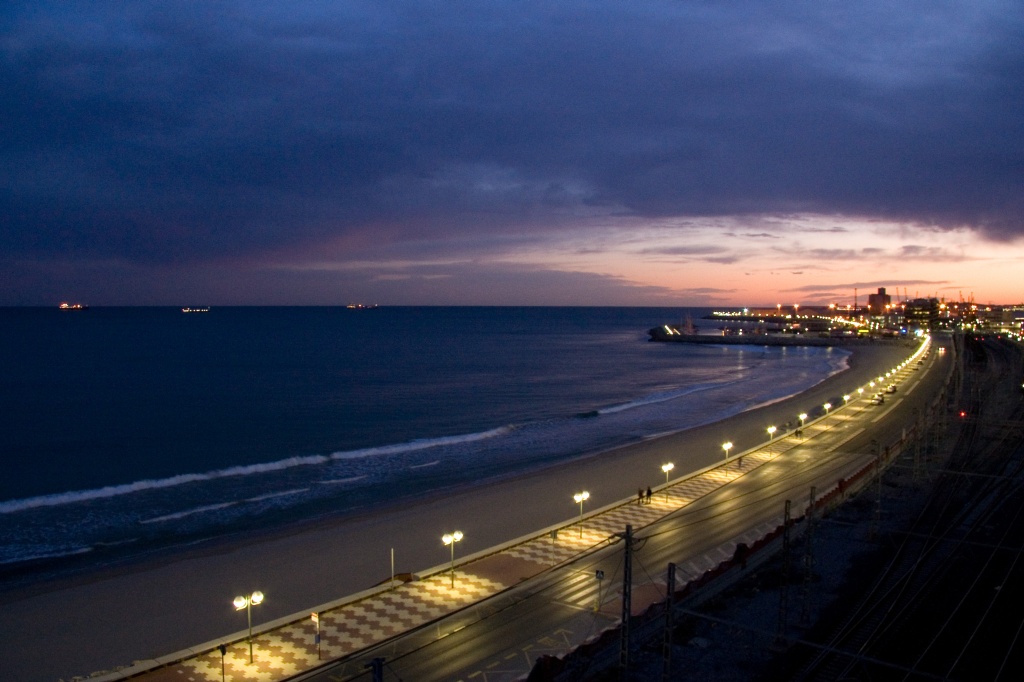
(58, 499)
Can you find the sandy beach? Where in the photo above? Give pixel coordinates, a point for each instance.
(110, 618)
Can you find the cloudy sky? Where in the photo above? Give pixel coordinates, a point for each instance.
(504, 152)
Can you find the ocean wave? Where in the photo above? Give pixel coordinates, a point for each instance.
(654, 398)
(221, 505)
(58, 499)
(428, 464)
(18, 554)
(338, 481)
(422, 444)
(189, 512)
(270, 496)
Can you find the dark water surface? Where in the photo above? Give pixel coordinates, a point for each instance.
(126, 429)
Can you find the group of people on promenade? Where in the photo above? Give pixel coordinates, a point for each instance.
(643, 497)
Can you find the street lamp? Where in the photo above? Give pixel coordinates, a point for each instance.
(771, 433)
(727, 446)
(827, 406)
(667, 468)
(243, 602)
(449, 539)
(580, 498)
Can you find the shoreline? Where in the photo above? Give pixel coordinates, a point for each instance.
(35, 575)
(314, 561)
(95, 555)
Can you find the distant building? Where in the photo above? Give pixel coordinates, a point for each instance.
(878, 303)
(922, 313)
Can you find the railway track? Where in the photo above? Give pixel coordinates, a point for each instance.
(938, 606)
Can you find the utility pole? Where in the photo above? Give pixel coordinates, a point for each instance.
(666, 647)
(780, 632)
(805, 612)
(877, 521)
(627, 600)
(919, 436)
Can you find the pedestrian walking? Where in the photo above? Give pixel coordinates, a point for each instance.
(639, 495)
(648, 494)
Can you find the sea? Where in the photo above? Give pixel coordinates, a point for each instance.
(128, 431)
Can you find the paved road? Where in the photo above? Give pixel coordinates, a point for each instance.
(501, 638)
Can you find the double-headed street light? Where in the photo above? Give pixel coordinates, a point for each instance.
(580, 498)
(449, 539)
(247, 602)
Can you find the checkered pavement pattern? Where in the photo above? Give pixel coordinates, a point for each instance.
(292, 649)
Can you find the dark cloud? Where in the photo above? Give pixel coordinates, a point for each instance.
(688, 250)
(866, 287)
(827, 230)
(175, 133)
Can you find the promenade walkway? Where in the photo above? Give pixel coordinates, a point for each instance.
(284, 651)
(289, 646)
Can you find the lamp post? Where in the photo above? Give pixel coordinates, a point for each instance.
(802, 416)
(667, 468)
(727, 446)
(247, 602)
(449, 539)
(771, 435)
(580, 498)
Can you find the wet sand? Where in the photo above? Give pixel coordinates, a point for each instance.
(112, 617)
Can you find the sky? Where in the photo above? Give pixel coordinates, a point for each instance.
(502, 152)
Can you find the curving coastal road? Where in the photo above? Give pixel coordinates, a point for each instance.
(501, 638)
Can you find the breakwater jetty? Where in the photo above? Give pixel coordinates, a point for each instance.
(670, 334)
